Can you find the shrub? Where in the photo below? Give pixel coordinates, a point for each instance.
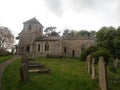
(101, 52)
(4, 53)
(83, 56)
(88, 51)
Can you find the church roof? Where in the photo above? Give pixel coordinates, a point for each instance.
(48, 38)
(33, 20)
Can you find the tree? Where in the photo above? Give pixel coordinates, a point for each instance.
(105, 38)
(69, 33)
(54, 33)
(50, 31)
(117, 43)
(73, 33)
(6, 39)
(84, 32)
(66, 32)
(93, 33)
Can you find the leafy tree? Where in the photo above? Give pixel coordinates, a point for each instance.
(69, 33)
(54, 33)
(50, 31)
(105, 38)
(93, 33)
(117, 43)
(66, 32)
(84, 32)
(74, 33)
(6, 39)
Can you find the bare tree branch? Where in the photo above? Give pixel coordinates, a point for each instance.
(6, 38)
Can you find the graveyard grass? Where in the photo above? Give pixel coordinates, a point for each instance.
(5, 58)
(66, 74)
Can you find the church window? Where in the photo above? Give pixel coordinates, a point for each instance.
(30, 27)
(65, 50)
(46, 46)
(38, 47)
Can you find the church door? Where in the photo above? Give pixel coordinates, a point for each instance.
(73, 53)
(28, 49)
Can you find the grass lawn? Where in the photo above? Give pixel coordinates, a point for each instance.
(5, 58)
(66, 74)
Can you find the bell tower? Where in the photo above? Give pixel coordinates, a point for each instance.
(31, 30)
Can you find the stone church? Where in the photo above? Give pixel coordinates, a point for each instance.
(33, 40)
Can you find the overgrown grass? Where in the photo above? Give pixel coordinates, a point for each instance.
(66, 74)
(113, 77)
(5, 58)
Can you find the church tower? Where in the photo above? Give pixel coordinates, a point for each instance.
(31, 30)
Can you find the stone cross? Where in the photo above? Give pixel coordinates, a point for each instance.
(93, 68)
(102, 73)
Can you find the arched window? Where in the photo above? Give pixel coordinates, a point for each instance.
(30, 27)
(38, 47)
(46, 46)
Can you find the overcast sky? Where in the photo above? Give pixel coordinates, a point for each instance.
(73, 14)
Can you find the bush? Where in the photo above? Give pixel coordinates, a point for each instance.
(83, 56)
(5, 53)
(101, 52)
(88, 51)
(111, 68)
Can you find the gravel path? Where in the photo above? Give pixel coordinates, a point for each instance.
(5, 64)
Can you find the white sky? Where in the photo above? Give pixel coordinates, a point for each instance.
(73, 14)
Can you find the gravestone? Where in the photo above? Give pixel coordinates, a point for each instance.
(24, 72)
(28, 65)
(88, 63)
(93, 68)
(102, 73)
(116, 63)
(24, 66)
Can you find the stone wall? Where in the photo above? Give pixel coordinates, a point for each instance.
(54, 48)
(75, 45)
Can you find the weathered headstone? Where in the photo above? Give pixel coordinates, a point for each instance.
(88, 63)
(24, 66)
(102, 73)
(116, 63)
(24, 72)
(93, 68)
